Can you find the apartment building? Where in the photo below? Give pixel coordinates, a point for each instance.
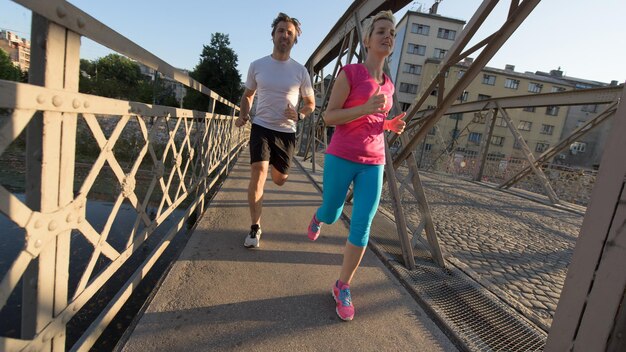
(419, 36)
(541, 127)
(18, 49)
(587, 151)
(422, 41)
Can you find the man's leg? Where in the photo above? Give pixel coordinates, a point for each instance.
(278, 177)
(258, 175)
(282, 147)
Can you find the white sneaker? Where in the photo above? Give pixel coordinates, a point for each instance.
(253, 240)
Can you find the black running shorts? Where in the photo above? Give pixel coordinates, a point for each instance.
(273, 146)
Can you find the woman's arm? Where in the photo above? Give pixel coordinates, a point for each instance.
(335, 113)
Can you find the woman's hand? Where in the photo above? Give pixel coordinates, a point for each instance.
(396, 124)
(375, 104)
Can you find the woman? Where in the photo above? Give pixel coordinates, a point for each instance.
(359, 102)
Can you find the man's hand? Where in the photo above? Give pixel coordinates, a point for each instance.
(291, 113)
(241, 121)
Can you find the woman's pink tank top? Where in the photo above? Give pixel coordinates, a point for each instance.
(362, 140)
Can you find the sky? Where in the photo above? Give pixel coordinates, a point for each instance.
(579, 37)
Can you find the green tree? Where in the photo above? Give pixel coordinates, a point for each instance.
(115, 76)
(217, 70)
(8, 71)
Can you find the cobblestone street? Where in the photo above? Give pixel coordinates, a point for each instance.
(517, 248)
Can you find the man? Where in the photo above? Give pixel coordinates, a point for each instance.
(279, 81)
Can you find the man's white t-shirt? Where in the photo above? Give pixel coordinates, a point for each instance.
(277, 84)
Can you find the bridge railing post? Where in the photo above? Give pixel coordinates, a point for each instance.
(51, 144)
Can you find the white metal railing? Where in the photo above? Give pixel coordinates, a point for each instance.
(176, 157)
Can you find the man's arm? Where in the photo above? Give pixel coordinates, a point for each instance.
(308, 105)
(245, 105)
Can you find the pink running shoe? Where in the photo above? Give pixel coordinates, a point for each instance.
(345, 309)
(314, 228)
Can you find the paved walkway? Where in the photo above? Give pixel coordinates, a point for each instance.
(518, 248)
(221, 296)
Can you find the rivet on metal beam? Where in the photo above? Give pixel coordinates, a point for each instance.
(41, 99)
(38, 223)
(80, 22)
(53, 225)
(61, 11)
(76, 104)
(70, 218)
(57, 101)
(86, 104)
(38, 243)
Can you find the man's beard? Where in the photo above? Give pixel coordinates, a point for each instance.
(284, 46)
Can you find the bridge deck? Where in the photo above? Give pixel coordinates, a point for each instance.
(222, 296)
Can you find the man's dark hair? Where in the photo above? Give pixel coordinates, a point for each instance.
(283, 17)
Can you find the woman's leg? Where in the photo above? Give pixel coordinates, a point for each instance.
(338, 174)
(352, 256)
(367, 187)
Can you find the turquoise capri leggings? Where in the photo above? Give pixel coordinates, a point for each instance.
(368, 180)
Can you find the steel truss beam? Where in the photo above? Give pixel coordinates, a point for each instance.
(518, 12)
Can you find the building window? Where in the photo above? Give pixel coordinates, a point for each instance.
(434, 92)
(529, 109)
(483, 97)
(489, 79)
(433, 131)
(495, 156)
(457, 116)
(420, 29)
(547, 129)
(405, 106)
(578, 147)
(590, 108)
(455, 133)
(439, 53)
(511, 83)
(460, 74)
(408, 88)
(557, 89)
(552, 110)
(542, 147)
(428, 147)
(500, 122)
(464, 96)
(446, 34)
(412, 69)
(474, 137)
(535, 87)
(524, 125)
(416, 49)
(497, 140)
